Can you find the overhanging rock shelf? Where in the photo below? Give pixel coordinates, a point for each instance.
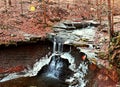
(71, 25)
(74, 33)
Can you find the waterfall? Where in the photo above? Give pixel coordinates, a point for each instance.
(56, 63)
(57, 45)
(59, 66)
(60, 47)
(51, 71)
(54, 45)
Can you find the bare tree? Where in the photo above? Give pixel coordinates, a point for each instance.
(31, 1)
(15, 3)
(9, 2)
(21, 6)
(97, 9)
(100, 12)
(113, 16)
(44, 11)
(5, 4)
(111, 31)
(89, 1)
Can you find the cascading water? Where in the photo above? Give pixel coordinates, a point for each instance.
(79, 72)
(55, 67)
(60, 65)
(57, 63)
(59, 47)
(54, 45)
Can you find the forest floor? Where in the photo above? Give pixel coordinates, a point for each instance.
(20, 23)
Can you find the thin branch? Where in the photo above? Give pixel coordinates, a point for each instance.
(9, 2)
(21, 7)
(5, 3)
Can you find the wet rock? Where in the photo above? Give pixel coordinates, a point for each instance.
(83, 24)
(27, 35)
(72, 81)
(63, 37)
(69, 80)
(104, 30)
(75, 82)
(79, 44)
(70, 25)
(13, 35)
(73, 37)
(92, 67)
(93, 23)
(76, 25)
(58, 30)
(27, 38)
(60, 25)
(84, 39)
(56, 19)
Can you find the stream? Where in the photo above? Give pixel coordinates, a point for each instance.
(60, 68)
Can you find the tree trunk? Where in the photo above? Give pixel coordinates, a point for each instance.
(111, 31)
(31, 1)
(97, 9)
(112, 18)
(5, 3)
(21, 7)
(100, 12)
(15, 3)
(9, 2)
(44, 11)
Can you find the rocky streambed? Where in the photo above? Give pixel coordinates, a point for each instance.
(72, 61)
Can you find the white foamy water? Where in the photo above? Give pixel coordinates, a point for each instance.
(54, 67)
(80, 72)
(31, 71)
(71, 60)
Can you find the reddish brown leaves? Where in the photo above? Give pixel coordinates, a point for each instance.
(12, 69)
(112, 73)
